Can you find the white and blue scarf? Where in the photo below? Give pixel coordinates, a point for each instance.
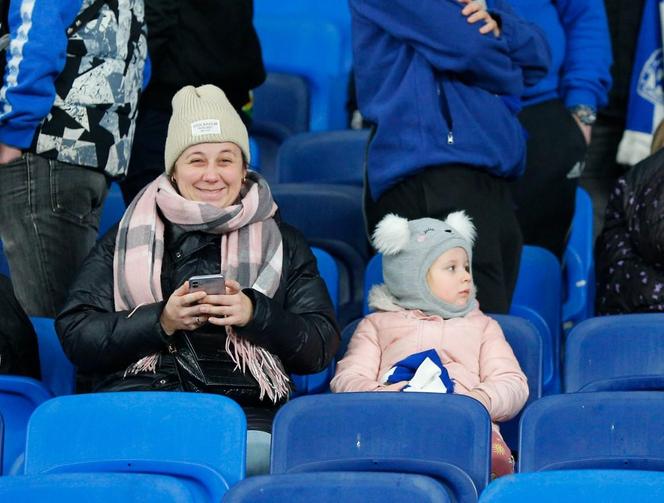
(645, 109)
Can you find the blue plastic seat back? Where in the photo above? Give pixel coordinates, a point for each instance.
(331, 218)
(315, 50)
(4, 265)
(579, 264)
(539, 287)
(604, 430)
(57, 372)
(255, 152)
(332, 487)
(327, 10)
(19, 397)
(306, 384)
(577, 486)
(97, 487)
(114, 208)
(625, 348)
(373, 275)
(405, 431)
(283, 102)
(526, 342)
(335, 157)
(155, 426)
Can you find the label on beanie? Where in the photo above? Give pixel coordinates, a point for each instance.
(208, 126)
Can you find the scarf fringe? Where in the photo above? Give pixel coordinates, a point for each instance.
(145, 364)
(263, 365)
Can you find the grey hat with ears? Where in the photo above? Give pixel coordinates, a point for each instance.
(202, 115)
(409, 249)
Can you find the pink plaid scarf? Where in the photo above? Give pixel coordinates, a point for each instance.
(251, 253)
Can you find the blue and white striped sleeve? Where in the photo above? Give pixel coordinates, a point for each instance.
(35, 57)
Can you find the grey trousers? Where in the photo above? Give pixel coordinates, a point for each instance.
(49, 217)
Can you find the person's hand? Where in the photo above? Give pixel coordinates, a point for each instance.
(9, 153)
(475, 11)
(397, 386)
(183, 311)
(234, 308)
(586, 129)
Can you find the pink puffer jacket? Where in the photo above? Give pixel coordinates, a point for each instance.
(472, 348)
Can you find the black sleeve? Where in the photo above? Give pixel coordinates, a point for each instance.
(625, 281)
(303, 331)
(94, 336)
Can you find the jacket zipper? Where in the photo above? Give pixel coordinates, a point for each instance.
(447, 116)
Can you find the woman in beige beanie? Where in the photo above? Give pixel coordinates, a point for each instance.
(132, 316)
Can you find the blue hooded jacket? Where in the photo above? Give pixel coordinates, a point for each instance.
(578, 34)
(438, 91)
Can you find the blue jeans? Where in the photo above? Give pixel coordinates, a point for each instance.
(49, 217)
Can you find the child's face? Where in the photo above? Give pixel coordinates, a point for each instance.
(449, 277)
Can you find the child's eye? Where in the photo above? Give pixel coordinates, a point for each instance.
(451, 268)
(467, 267)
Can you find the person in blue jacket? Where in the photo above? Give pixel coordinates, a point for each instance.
(68, 104)
(439, 80)
(559, 113)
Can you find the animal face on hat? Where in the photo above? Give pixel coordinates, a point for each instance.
(410, 247)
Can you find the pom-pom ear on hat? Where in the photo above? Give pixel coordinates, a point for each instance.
(391, 235)
(463, 224)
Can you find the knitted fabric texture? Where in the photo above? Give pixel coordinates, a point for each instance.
(251, 253)
(202, 115)
(409, 249)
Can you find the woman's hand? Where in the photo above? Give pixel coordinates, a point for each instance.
(475, 10)
(234, 308)
(183, 311)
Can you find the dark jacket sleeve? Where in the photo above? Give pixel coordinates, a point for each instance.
(94, 336)
(303, 331)
(626, 283)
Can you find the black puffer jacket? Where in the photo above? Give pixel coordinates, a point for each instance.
(297, 324)
(630, 249)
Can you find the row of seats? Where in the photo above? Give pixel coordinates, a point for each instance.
(602, 354)
(201, 439)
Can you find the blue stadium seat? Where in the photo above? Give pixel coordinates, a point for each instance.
(255, 153)
(615, 353)
(330, 217)
(577, 486)
(604, 430)
(446, 437)
(579, 265)
(4, 265)
(335, 157)
(198, 437)
(57, 372)
(539, 290)
(526, 342)
(19, 397)
(332, 487)
(307, 384)
(97, 487)
(313, 49)
(281, 109)
(114, 208)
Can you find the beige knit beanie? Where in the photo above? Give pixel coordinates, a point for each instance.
(202, 115)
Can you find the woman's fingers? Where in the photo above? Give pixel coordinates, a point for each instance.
(489, 27)
(232, 287)
(478, 16)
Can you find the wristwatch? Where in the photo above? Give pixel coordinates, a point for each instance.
(585, 113)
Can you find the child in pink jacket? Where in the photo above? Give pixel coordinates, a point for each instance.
(428, 333)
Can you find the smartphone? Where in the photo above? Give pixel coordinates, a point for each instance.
(212, 284)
